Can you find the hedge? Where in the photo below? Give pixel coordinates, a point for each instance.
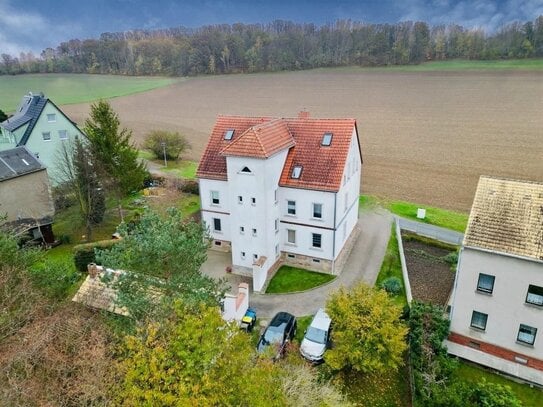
(84, 253)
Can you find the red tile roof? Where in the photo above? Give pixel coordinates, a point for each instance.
(261, 137)
(261, 141)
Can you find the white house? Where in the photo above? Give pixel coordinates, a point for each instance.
(281, 191)
(497, 309)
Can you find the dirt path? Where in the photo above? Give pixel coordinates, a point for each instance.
(425, 137)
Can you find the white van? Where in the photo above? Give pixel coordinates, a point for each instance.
(317, 337)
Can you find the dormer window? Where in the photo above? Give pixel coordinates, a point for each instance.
(228, 134)
(246, 170)
(296, 172)
(326, 139)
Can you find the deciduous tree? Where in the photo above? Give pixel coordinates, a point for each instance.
(174, 144)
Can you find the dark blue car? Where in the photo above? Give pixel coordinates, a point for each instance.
(278, 333)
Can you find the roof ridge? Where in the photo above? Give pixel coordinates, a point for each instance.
(519, 181)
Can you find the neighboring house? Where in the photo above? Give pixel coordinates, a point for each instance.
(25, 196)
(42, 127)
(497, 309)
(281, 191)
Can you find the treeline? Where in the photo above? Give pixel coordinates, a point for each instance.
(280, 45)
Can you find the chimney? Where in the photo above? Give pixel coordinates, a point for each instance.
(303, 114)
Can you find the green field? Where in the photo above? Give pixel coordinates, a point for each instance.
(74, 88)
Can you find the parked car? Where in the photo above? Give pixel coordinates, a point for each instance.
(317, 337)
(278, 333)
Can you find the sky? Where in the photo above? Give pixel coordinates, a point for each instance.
(33, 25)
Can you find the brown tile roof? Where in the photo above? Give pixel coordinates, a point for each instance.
(261, 141)
(261, 137)
(96, 294)
(507, 216)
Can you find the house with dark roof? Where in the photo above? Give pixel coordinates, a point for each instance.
(26, 206)
(281, 191)
(497, 308)
(40, 126)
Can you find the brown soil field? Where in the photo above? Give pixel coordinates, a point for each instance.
(425, 137)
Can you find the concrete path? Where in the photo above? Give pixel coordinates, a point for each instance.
(431, 231)
(363, 264)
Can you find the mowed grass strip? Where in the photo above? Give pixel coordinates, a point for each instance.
(392, 267)
(290, 279)
(529, 396)
(434, 216)
(74, 88)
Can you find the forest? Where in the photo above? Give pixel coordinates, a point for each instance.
(276, 46)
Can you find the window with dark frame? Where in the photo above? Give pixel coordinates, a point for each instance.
(240, 199)
(326, 139)
(228, 134)
(478, 320)
(216, 224)
(317, 210)
(526, 334)
(253, 201)
(291, 207)
(246, 170)
(46, 136)
(485, 283)
(317, 240)
(296, 172)
(535, 295)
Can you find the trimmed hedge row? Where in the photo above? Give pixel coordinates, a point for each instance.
(84, 253)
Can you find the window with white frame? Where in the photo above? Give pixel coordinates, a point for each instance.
(255, 256)
(535, 295)
(526, 334)
(485, 283)
(240, 199)
(291, 207)
(51, 118)
(63, 134)
(316, 240)
(276, 250)
(46, 135)
(291, 236)
(478, 320)
(253, 201)
(243, 255)
(317, 210)
(296, 172)
(276, 224)
(275, 195)
(215, 198)
(216, 224)
(254, 232)
(242, 229)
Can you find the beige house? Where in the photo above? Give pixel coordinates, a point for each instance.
(497, 309)
(26, 205)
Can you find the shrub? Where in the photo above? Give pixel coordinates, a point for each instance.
(392, 285)
(190, 187)
(451, 258)
(54, 277)
(84, 253)
(175, 144)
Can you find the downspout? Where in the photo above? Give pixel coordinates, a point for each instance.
(455, 286)
(334, 236)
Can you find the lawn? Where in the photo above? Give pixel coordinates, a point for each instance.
(181, 169)
(290, 279)
(434, 216)
(392, 267)
(530, 397)
(74, 88)
(303, 323)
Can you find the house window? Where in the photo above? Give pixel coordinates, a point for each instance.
(276, 223)
(51, 118)
(253, 201)
(291, 207)
(242, 229)
(46, 135)
(276, 250)
(243, 255)
(215, 198)
(296, 172)
(485, 283)
(326, 139)
(228, 134)
(240, 199)
(275, 195)
(63, 134)
(316, 260)
(478, 320)
(216, 224)
(317, 210)
(526, 334)
(291, 236)
(218, 243)
(246, 170)
(317, 240)
(535, 295)
(255, 256)
(254, 232)
(291, 256)
(346, 202)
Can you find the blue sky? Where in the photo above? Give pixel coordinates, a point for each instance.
(33, 25)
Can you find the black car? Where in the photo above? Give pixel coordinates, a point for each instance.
(281, 329)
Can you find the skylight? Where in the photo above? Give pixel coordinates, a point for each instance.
(296, 172)
(326, 139)
(228, 134)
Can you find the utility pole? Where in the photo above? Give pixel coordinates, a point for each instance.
(163, 144)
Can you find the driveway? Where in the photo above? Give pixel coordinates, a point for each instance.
(363, 264)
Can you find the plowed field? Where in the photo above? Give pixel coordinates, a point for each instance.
(426, 137)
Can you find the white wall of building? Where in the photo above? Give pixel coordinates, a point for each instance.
(220, 211)
(506, 306)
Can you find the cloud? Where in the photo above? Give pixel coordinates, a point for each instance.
(23, 31)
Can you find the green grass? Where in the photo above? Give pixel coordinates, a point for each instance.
(74, 88)
(434, 216)
(527, 395)
(146, 155)
(182, 169)
(392, 267)
(189, 205)
(303, 323)
(289, 279)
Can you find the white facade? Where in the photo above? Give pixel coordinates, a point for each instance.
(266, 224)
(497, 313)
